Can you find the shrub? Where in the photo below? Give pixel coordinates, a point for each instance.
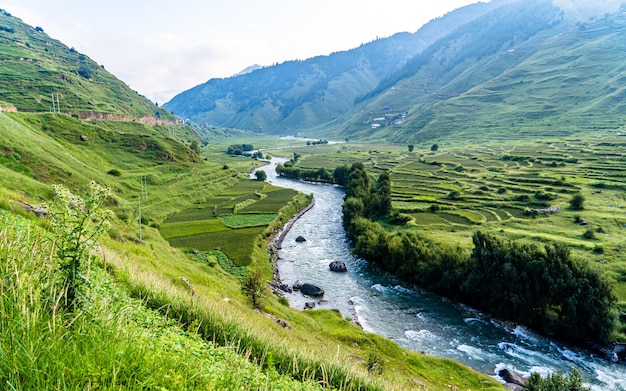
(76, 225)
(577, 202)
(114, 172)
(556, 381)
(84, 72)
(454, 195)
(375, 363)
(589, 234)
(260, 175)
(254, 288)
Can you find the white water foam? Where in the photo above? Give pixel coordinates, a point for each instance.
(420, 336)
(525, 334)
(380, 288)
(526, 355)
(360, 310)
(471, 352)
(474, 320)
(611, 381)
(401, 289)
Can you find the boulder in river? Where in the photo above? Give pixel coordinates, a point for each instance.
(300, 239)
(338, 266)
(309, 305)
(311, 289)
(297, 285)
(511, 377)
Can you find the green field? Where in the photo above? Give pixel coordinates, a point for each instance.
(230, 221)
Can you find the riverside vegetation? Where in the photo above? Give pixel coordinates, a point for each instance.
(498, 227)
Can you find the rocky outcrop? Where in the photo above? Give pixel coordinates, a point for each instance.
(309, 305)
(300, 239)
(37, 210)
(311, 289)
(96, 116)
(338, 267)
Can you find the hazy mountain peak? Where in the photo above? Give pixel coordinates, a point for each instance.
(247, 70)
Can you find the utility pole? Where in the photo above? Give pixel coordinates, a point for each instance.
(144, 187)
(139, 207)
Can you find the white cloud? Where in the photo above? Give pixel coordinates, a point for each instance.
(161, 48)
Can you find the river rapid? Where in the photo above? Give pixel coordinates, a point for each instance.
(414, 319)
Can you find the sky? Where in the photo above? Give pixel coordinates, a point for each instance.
(162, 47)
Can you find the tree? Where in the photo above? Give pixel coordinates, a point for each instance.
(352, 208)
(260, 175)
(84, 72)
(556, 381)
(340, 175)
(194, 146)
(358, 183)
(434, 148)
(577, 202)
(254, 288)
(379, 203)
(411, 147)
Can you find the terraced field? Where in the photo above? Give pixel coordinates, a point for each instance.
(229, 222)
(517, 190)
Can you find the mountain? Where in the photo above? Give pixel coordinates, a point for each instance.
(485, 70)
(41, 74)
(302, 94)
(527, 68)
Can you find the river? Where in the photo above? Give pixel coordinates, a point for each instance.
(416, 320)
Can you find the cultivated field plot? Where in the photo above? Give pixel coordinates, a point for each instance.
(520, 191)
(230, 221)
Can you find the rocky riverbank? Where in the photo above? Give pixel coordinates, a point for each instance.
(277, 242)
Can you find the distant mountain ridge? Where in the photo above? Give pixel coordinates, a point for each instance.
(297, 94)
(436, 82)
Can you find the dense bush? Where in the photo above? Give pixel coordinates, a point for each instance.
(538, 285)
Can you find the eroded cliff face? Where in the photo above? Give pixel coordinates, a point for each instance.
(8, 109)
(95, 116)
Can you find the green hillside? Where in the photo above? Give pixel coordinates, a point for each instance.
(563, 80)
(128, 310)
(35, 68)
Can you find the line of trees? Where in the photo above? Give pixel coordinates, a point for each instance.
(542, 286)
(239, 149)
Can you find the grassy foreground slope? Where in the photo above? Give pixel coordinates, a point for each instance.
(120, 341)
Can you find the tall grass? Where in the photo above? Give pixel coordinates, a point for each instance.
(112, 342)
(217, 322)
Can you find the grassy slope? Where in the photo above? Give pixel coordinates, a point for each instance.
(34, 66)
(41, 149)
